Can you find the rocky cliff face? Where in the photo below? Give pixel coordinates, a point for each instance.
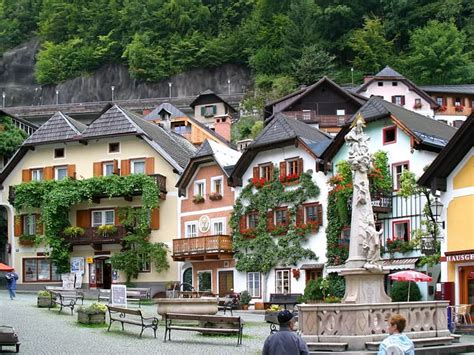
(18, 82)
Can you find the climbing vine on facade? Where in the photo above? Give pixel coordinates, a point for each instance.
(258, 249)
(55, 198)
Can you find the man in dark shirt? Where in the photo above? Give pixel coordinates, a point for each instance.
(286, 341)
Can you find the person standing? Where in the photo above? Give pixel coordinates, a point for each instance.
(11, 277)
(397, 342)
(285, 341)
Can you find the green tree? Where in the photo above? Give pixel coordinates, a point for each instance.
(373, 51)
(314, 63)
(10, 138)
(437, 55)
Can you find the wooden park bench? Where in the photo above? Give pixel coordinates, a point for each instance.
(70, 292)
(65, 299)
(204, 324)
(284, 300)
(132, 316)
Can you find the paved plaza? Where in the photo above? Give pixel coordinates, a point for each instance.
(43, 331)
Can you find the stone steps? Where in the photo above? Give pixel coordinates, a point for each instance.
(455, 348)
(419, 343)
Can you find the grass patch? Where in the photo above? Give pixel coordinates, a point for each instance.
(82, 325)
(255, 324)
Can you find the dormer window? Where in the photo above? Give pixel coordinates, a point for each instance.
(209, 110)
(390, 135)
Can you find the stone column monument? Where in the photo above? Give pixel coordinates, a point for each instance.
(363, 269)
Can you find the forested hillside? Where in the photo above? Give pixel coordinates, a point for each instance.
(284, 42)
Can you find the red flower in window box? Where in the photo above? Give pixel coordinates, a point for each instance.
(459, 108)
(258, 182)
(215, 196)
(289, 178)
(248, 232)
(296, 273)
(443, 108)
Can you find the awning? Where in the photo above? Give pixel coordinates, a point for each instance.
(400, 264)
(319, 266)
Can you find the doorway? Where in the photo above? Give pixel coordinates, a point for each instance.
(100, 273)
(188, 279)
(466, 276)
(226, 282)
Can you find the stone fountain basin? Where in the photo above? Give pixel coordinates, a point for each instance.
(203, 305)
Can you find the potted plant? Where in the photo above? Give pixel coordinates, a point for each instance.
(44, 299)
(106, 230)
(27, 240)
(92, 314)
(271, 314)
(74, 232)
(245, 299)
(215, 196)
(198, 199)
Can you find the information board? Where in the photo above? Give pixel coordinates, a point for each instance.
(68, 280)
(119, 296)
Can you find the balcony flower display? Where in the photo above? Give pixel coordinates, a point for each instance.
(27, 240)
(215, 196)
(106, 230)
(198, 199)
(258, 182)
(289, 178)
(459, 108)
(73, 231)
(398, 245)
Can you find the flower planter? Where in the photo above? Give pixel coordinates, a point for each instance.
(44, 302)
(86, 318)
(215, 197)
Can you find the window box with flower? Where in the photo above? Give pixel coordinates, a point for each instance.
(107, 230)
(291, 178)
(215, 196)
(395, 244)
(258, 182)
(443, 108)
(198, 199)
(459, 108)
(248, 232)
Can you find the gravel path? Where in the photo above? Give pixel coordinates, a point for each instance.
(43, 331)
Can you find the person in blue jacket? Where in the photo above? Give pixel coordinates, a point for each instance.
(11, 283)
(397, 342)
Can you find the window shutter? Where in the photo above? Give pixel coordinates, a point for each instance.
(155, 219)
(18, 225)
(83, 218)
(444, 101)
(393, 99)
(300, 166)
(283, 168)
(116, 168)
(39, 224)
(271, 172)
(26, 175)
(243, 222)
(270, 223)
(214, 109)
(48, 173)
(150, 166)
(71, 171)
(203, 110)
(300, 215)
(403, 100)
(319, 210)
(255, 172)
(116, 217)
(125, 167)
(97, 169)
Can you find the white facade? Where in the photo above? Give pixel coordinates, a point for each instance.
(316, 241)
(388, 90)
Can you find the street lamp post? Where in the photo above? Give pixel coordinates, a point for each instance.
(57, 97)
(3, 98)
(170, 84)
(113, 89)
(352, 77)
(228, 85)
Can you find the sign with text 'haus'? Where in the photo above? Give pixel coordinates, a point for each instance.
(119, 296)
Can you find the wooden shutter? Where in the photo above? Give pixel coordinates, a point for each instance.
(150, 166)
(18, 225)
(39, 224)
(48, 173)
(97, 169)
(116, 217)
(125, 167)
(444, 101)
(393, 99)
(300, 166)
(403, 100)
(300, 215)
(155, 219)
(26, 175)
(116, 167)
(283, 168)
(319, 211)
(271, 172)
(243, 222)
(71, 171)
(270, 223)
(255, 172)
(83, 218)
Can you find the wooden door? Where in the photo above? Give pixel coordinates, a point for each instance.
(226, 282)
(467, 285)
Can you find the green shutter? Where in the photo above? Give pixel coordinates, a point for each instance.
(203, 110)
(214, 109)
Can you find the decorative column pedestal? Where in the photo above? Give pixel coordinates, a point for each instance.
(364, 286)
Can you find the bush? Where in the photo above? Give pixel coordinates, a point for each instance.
(44, 293)
(314, 290)
(399, 292)
(94, 308)
(245, 297)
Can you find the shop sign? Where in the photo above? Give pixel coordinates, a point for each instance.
(460, 257)
(90, 260)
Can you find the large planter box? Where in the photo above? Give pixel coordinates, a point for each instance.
(85, 318)
(44, 302)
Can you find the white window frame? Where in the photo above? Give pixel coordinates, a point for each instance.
(56, 172)
(132, 165)
(186, 224)
(281, 288)
(196, 189)
(396, 176)
(41, 173)
(222, 220)
(104, 168)
(199, 285)
(213, 186)
(103, 220)
(340, 112)
(29, 224)
(251, 284)
(306, 115)
(288, 164)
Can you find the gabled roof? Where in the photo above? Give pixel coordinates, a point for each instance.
(457, 148)
(209, 92)
(428, 134)
(285, 102)
(449, 89)
(171, 109)
(282, 131)
(388, 73)
(209, 151)
(58, 128)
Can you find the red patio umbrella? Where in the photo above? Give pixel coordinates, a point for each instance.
(4, 267)
(410, 275)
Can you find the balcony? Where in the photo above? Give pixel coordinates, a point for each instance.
(92, 237)
(213, 247)
(324, 121)
(381, 202)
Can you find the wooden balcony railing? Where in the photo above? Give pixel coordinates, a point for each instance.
(311, 116)
(202, 247)
(92, 236)
(160, 182)
(381, 202)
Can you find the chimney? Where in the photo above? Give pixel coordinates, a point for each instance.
(146, 111)
(222, 126)
(367, 77)
(243, 144)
